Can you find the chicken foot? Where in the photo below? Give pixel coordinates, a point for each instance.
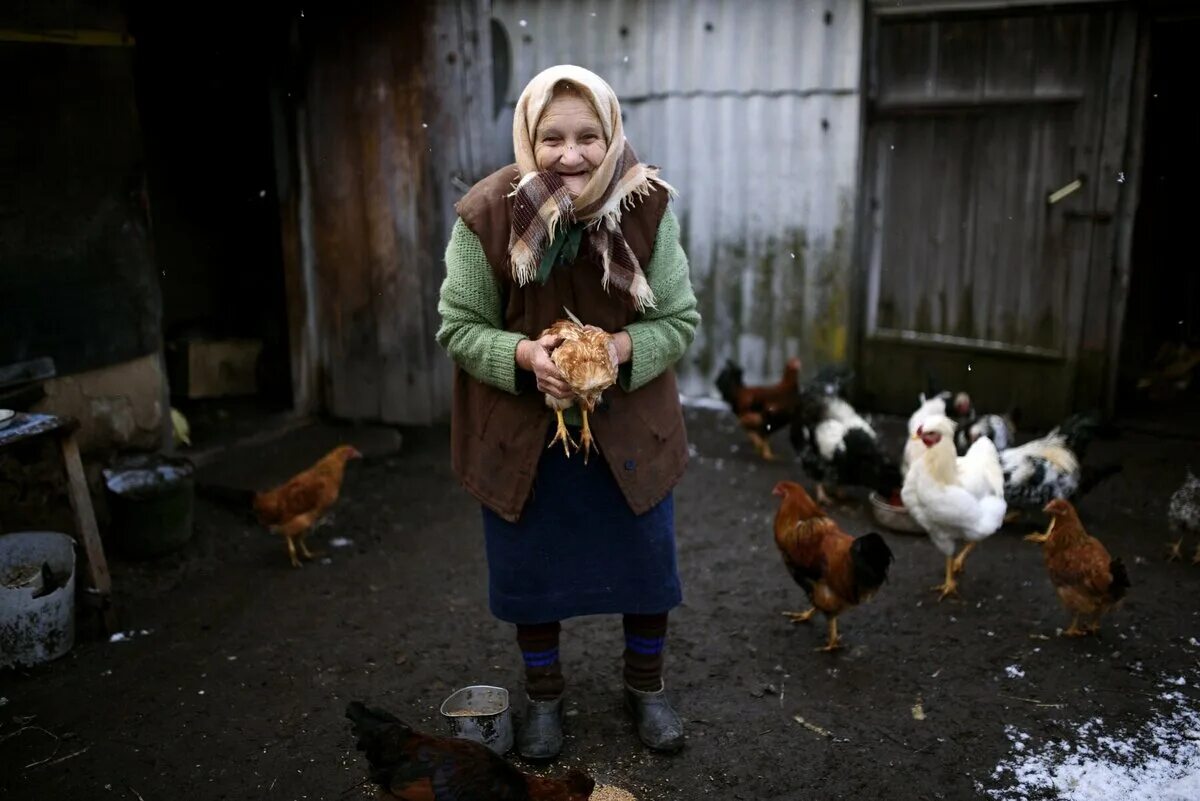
(822, 496)
(835, 642)
(1074, 631)
(962, 557)
(801, 617)
(291, 546)
(585, 436)
(1175, 550)
(561, 433)
(950, 586)
(307, 554)
(761, 445)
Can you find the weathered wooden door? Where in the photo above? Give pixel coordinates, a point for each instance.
(977, 270)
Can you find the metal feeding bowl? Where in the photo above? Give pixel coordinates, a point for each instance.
(480, 713)
(896, 518)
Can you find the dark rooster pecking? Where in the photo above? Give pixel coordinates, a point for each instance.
(836, 445)
(412, 766)
(761, 410)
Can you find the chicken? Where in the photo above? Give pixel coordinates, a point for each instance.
(954, 497)
(295, 507)
(999, 428)
(913, 447)
(1089, 582)
(1183, 516)
(412, 766)
(931, 405)
(835, 570)
(761, 410)
(1050, 467)
(836, 444)
(586, 360)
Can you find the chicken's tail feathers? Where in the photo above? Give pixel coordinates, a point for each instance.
(991, 516)
(871, 558)
(1120, 580)
(378, 732)
(370, 723)
(1079, 430)
(729, 381)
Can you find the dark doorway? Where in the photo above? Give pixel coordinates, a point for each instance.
(204, 87)
(1159, 379)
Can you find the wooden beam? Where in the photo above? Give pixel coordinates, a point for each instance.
(86, 531)
(78, 38)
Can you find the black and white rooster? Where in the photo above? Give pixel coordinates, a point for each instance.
(836, 445)
(1050, 467)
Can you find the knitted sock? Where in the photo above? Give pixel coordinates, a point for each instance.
(645, 637)
(539, 648)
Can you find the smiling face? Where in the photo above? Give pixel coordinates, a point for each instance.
(570, 140)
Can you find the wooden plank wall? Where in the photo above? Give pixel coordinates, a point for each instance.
(381, 128)
(968, 273)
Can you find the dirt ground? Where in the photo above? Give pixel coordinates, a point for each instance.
(234, 682)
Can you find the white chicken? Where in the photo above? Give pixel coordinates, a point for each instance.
(914, 448)
(954, 498)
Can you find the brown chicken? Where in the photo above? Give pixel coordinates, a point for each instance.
(761, 410)
(834, 569)
(1089, 582)
(295, 507)
(412, 766)
(585, 359)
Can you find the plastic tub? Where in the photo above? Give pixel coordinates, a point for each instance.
(480, 713)
(37, 624)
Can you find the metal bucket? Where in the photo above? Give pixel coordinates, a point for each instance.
(151, 499)
(36, 624)
(480, 713)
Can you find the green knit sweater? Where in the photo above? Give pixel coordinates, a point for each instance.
(472, 318)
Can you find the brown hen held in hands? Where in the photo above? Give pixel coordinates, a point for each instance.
(585, 359)
(1089, 582)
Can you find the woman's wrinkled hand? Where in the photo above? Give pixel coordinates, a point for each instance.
(534, 355)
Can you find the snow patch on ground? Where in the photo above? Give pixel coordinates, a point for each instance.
(1158, 762)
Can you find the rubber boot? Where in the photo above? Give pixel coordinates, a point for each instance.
(541, 734)
(658, 725)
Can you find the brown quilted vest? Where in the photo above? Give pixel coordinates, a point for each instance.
(497, 438)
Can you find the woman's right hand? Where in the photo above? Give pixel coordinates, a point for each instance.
(534, 355)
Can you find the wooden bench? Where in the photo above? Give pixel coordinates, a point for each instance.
(25, 427)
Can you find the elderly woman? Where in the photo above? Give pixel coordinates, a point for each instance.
(578, 222)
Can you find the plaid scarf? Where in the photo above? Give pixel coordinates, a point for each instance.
(543, 213)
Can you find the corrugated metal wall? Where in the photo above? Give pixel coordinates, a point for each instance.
(752, 110)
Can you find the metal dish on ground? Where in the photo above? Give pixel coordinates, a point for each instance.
(480, 713)
(895, 518)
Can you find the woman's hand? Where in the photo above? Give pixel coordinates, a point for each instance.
(534, 355)
(620, 347)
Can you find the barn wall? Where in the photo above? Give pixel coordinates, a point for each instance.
(379, 130)
(752, 110)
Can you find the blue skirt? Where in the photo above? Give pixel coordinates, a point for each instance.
(578, 549)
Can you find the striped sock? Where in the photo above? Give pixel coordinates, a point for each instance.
(645, 638)
(539, 649)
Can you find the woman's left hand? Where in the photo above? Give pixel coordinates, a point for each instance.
(620, 347)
